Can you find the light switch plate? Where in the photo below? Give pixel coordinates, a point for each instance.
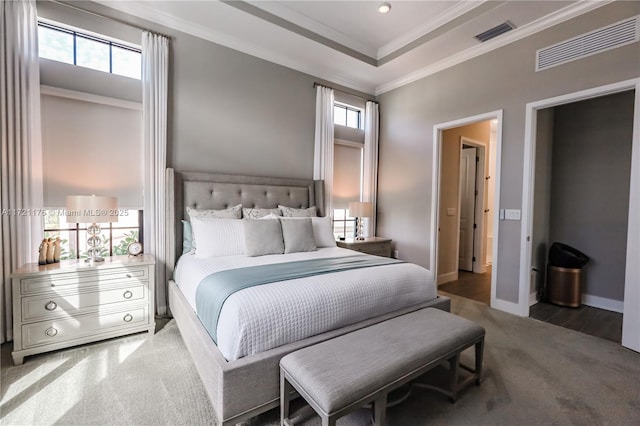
(512, 214)
(501, 214)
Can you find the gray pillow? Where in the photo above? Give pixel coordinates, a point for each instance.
(297, 234)
(263, 237)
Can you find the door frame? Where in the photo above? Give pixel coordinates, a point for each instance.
(495, 152)
(631, 310)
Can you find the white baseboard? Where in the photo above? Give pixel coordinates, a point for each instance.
(533, 298)
(445, 278)
(603, 303)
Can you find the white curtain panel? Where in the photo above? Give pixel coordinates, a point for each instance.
(323, 152)
(21, 222)
(155, 68)
(370, 172)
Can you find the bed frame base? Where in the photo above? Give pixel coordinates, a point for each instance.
(244, 388)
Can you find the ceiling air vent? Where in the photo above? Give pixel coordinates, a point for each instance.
(606, 38)
(495, 31)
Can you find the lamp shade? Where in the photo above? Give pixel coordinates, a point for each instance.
(91, 209)
(360, 209)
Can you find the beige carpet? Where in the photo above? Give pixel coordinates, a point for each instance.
(535, 374)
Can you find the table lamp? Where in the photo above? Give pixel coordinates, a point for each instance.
(360, 209)
(94, 210)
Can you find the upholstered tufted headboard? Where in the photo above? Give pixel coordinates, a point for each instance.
(219, 191)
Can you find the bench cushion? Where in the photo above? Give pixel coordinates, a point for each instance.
(340, 371)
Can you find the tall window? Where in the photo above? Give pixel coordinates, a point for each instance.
(116, 236)
(346, 115)
(66, 44)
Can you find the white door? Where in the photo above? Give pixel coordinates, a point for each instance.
(467, 206)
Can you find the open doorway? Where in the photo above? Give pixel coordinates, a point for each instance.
(601, 208)
(467, 175)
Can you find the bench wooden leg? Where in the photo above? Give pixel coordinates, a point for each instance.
(329, 421)
(454, 366)
(479, 356)
(285, 395)
(380, 410)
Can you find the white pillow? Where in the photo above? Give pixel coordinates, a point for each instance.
(218, 237)
(322, 229)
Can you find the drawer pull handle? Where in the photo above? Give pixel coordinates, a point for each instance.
(51, 332)
(128, 275)
(51, 305)
(127, 294)
(127, 318)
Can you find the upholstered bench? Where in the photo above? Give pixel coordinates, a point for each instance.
(340, 375)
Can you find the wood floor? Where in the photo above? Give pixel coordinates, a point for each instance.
(585, 319)
(471, 286)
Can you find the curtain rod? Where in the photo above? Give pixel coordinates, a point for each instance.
(121, 21)
(316, 84)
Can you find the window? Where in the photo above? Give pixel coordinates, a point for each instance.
(343, 224)
(116, 236)
(67, 45)
(345, 115)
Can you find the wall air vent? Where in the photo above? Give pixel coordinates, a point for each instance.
(606, 38)
(495, 31)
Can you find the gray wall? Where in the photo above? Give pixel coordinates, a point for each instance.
(503, 79)
(590, 186)
(233, 113)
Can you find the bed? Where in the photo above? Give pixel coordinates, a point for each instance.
(244, 383)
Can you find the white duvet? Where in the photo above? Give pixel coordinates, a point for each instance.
(263, 317)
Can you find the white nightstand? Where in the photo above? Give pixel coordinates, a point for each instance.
(73, 302)
(372, 245)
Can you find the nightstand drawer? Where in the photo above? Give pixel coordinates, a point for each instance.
(54, 331)
(82, 279)
(376, 250)
(59, 305)
(372, 245)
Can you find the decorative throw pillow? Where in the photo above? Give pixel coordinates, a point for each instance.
(218, 237)
(322, 229)
(271, 216)
(258, 213)
(234, 212)
(293, 212)
(263, 237)
(297, 235)
(187, 237)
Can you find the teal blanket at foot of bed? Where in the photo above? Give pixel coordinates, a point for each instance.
(215, 288)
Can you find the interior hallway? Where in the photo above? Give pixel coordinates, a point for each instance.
(585, 319)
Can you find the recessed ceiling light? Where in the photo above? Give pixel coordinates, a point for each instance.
(384, 8)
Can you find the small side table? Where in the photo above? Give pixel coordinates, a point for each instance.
(372, 245)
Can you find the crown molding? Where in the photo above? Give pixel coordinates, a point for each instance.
(455, 12)
(548, 21)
